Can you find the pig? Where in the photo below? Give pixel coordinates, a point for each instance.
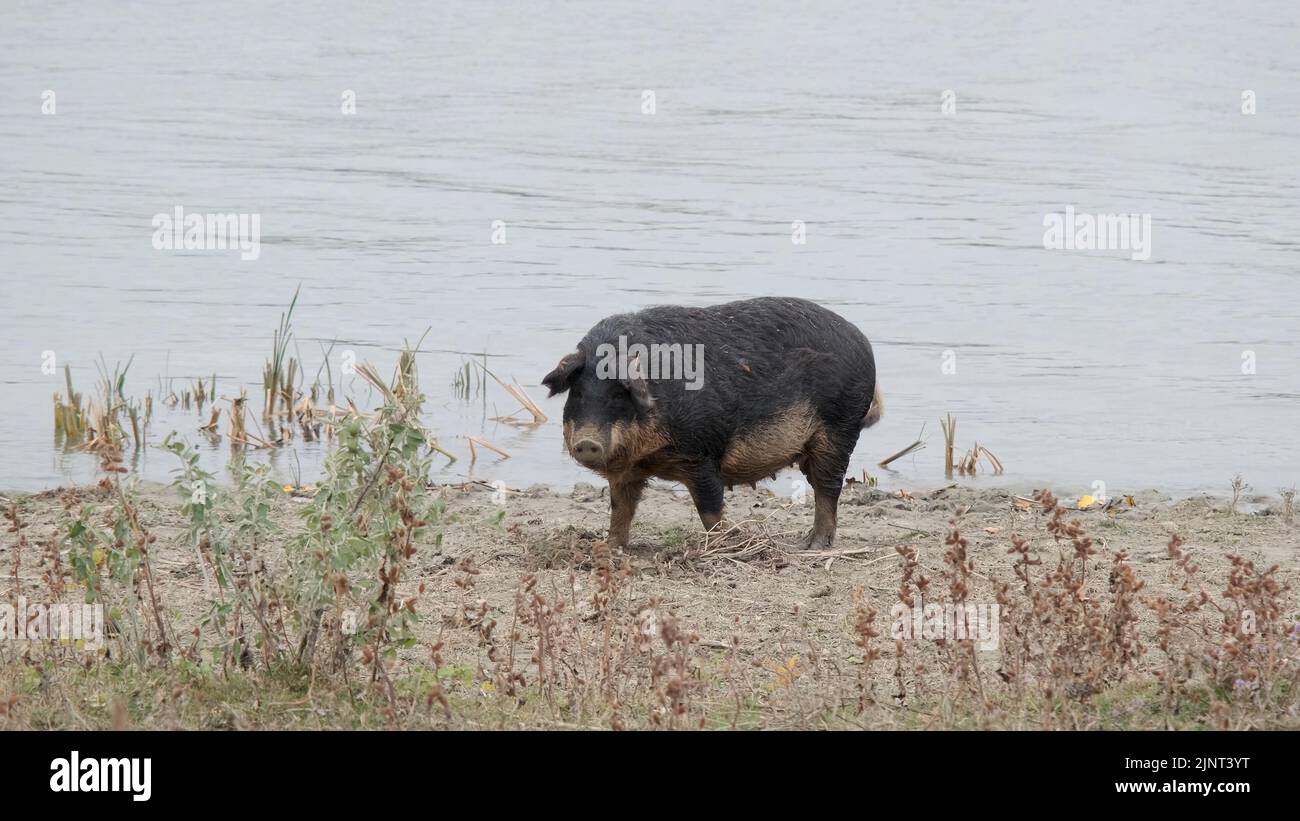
(715, 397)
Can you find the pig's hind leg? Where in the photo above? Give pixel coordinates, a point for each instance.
(825, 466)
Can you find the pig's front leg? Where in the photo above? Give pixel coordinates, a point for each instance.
(623, 499)
(705, 486)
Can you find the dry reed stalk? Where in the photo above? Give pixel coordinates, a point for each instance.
(523, 399)
(287, 385)
(105, 432)
(993, 460)
(912, 448)
(236, 414)
(69, 418)
(305, 413)
(239, 434)
(133, 413)
(405, 379)
(970, 462)
(949, 426)
(478, 440)
(518, 393)
(213, 419)
(747, 540)
(835, 554)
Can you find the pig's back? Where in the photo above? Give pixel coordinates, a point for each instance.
(761, 357)
(761, 330)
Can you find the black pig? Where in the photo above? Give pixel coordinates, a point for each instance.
(718, 396)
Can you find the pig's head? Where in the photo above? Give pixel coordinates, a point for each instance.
(608, 421)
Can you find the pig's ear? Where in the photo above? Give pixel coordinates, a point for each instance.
(637, 384)
(557, 381)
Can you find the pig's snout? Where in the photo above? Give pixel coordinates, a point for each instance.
(589, 452)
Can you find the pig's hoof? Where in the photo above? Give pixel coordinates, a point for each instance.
(817, 541)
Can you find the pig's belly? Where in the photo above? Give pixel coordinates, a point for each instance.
(749, 473)
(778, 443)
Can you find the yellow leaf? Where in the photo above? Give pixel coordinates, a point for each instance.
(288, 488)
(784, 675)
(1086, 502)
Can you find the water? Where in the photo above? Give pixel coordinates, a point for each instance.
(926, 230)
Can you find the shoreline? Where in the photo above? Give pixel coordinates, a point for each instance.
(1251, 502)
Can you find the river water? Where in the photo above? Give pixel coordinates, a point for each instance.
(635, 154)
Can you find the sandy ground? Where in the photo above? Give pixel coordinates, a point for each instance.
(768, 595)
(778, 603)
